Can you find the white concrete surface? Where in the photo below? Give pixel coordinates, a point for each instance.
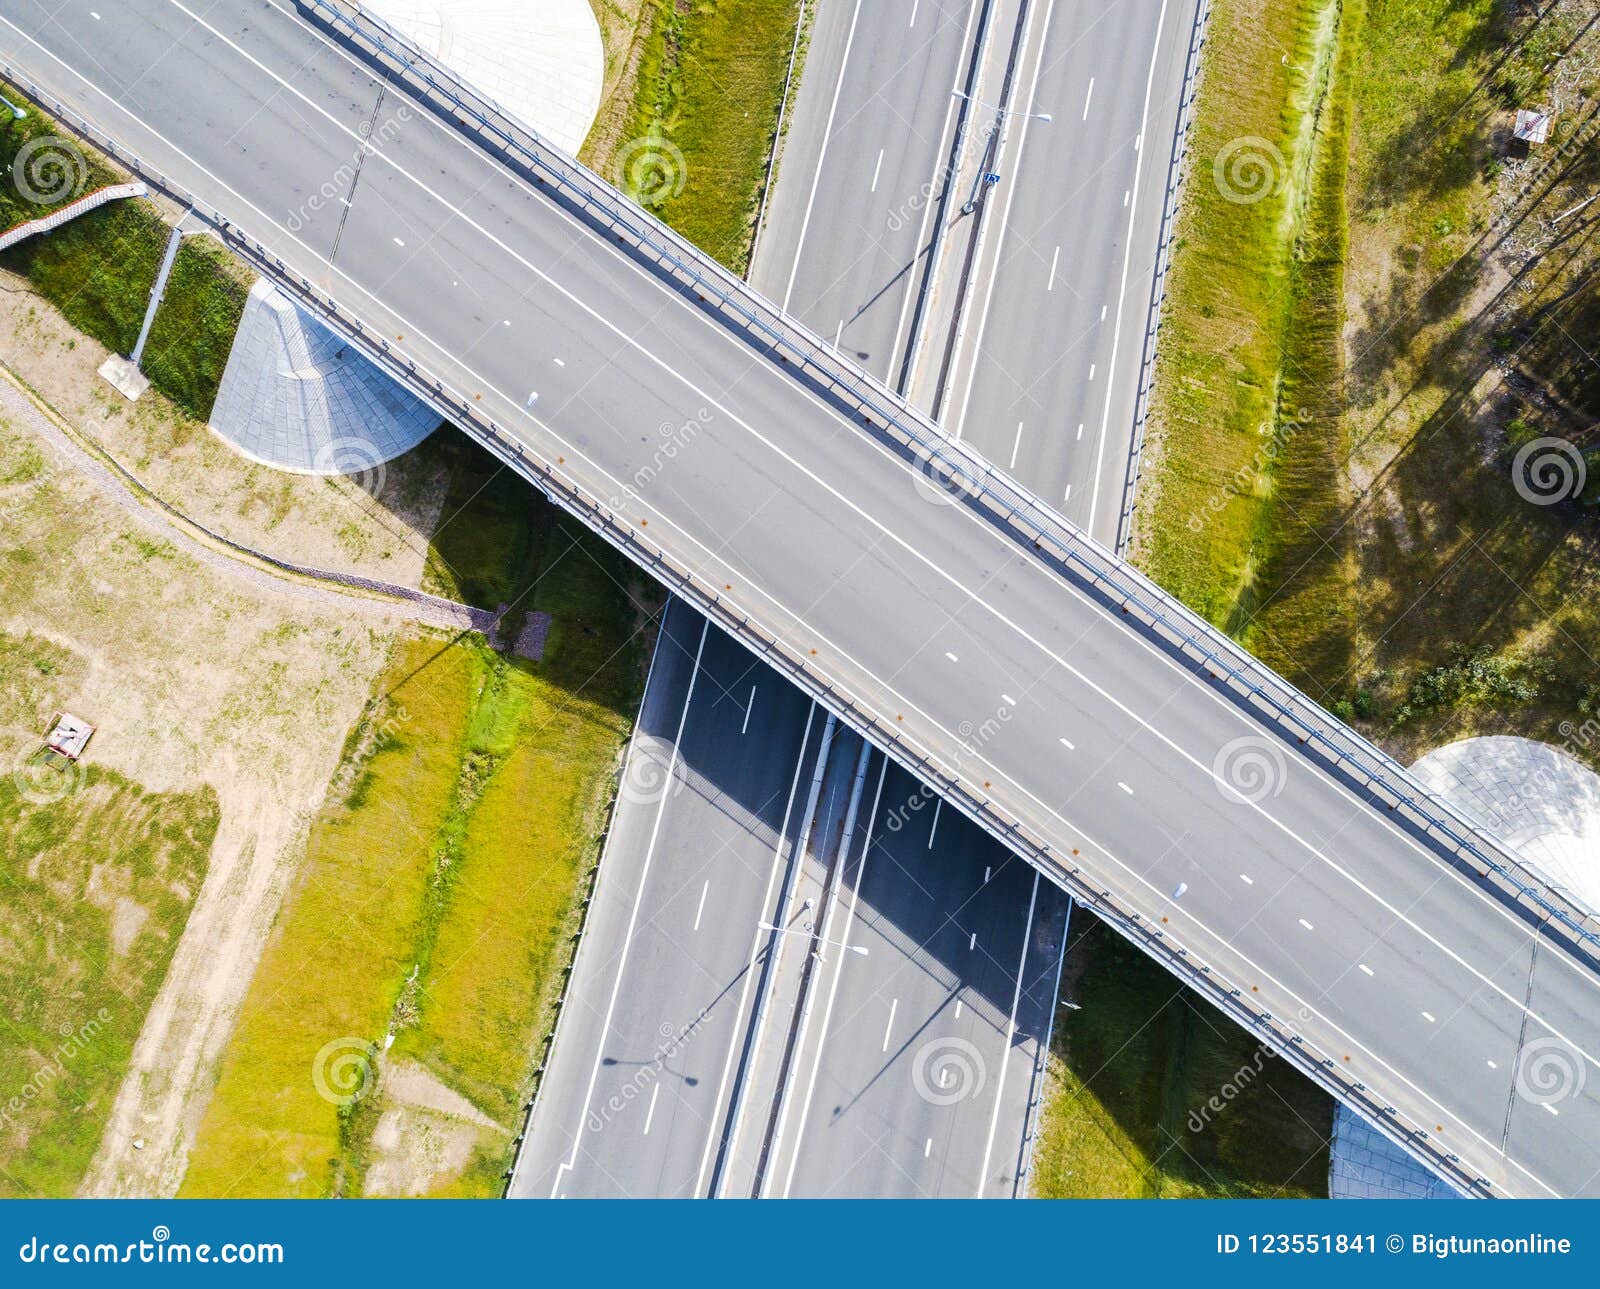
(294, 396)
(540, 60)
(1539, 800)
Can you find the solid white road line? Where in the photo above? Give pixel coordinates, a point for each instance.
(1011, 1029)
(1487, 899)
(954, 426)
(571, 1161)
(982, 525)
(755, 948)
(816, 176)
(1127, 260)
(838, 971)
(928, 207)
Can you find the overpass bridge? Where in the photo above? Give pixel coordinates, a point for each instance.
(1265, 854)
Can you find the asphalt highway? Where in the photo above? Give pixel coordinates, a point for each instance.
(845, 245)
(1044, 380)
(1301, 894)
(643, 1074)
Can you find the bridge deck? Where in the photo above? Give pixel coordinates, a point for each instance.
(1376, 956)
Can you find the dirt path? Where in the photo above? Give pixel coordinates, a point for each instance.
(348, 591)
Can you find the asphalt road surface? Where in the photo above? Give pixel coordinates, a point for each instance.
(1304, 895)
(845, 246)
(1045, 378)
(652, 1035)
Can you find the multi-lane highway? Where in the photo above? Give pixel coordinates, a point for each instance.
(1415, 976)
(923, 1052)
(1044, 376)
(958, 979)
(846, 241)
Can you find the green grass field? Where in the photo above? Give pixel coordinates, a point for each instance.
(1246, 413)
(98, 270)
(1346, 373)
(1154, 1094)
(440, 895)
(705, 110)
(98, 877)
(193, 329)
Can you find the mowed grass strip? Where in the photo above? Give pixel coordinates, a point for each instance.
(544, 743)
(1241, 435)
(1157, 1095)
(192, 333)
(706, 108)
(97, 877)
(334, 966)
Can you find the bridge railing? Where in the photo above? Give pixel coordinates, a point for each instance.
(966, 474)
(975, 481)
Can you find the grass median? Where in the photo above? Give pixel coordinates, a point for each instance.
(699, 134)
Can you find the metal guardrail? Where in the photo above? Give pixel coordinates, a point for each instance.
(1008, 505)
(62, 214)
(1033, 523)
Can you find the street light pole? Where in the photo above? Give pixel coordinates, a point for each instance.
(16, 112)
(795, 930)
(985, 177)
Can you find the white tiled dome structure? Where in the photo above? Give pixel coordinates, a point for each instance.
(1546, 807)
(298, 398)
(1534, 797)
(540, 60)
(294, 395)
